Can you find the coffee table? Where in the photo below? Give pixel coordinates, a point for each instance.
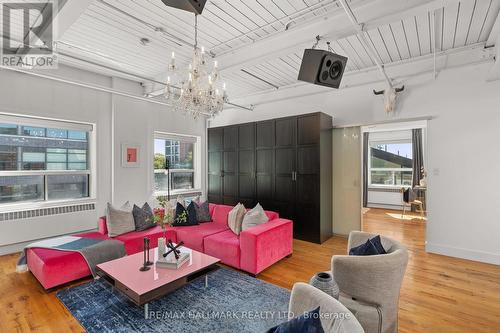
(144, 287)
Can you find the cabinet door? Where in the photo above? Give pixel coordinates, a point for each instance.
(246, 136)
(286, 132)
(308, 129)
(246, 177)
(215, 139)
(264, 162)
(214, 179)
(308, 194)
(284, 189)
(230, 138)
(265, 134)
(229, 177)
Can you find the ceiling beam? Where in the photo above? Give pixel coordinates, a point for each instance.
(494, 74)
(68, 15)
(495, 32)
(63, 19)
(399, 71)
(371, 14)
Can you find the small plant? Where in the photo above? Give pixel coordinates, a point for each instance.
(163, 216)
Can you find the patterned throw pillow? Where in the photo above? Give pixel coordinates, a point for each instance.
(254, 217)
(202, 212)
(143, 217)
(235, 218)
(182, 218)
(119, 221)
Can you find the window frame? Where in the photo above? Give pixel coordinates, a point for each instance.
(157, 135)
(370, 169)
(89, 172)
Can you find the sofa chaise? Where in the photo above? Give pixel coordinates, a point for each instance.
(252, 251)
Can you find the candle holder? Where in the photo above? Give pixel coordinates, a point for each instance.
(148, 262)
(145, 266)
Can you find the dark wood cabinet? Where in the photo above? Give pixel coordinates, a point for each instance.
(285, 164)
(215, 166)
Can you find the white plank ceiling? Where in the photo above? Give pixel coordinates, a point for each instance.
(108, 33)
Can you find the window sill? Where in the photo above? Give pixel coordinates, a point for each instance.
(173, 193)
(7, 208)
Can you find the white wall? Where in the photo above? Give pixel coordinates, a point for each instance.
(463, 136)
(134, 122)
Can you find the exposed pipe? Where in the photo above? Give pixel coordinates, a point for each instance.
(361, 34)
(298, 14)
(434, 36)
(171, 37)
(251, 108)
(260, 79)
(89, 86)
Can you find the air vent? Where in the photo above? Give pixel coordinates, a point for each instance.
(26, 214)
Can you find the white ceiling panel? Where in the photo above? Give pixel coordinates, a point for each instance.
(109, 33)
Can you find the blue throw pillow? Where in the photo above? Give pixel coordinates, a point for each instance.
(183, 217)
(366, 249)
(307, 323)
(378, 244)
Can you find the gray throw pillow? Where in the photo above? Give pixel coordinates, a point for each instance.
(254, 217)
(143, 217)
(202, 212)
(119, 221)
(235, 218)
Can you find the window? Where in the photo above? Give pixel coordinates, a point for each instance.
(43, 163)
(179, 152)
(391, 163)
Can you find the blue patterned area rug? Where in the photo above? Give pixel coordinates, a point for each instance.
(233, 302)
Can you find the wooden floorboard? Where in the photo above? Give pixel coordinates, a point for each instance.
(439, 294)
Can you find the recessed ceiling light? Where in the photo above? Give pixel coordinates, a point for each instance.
(145, 41)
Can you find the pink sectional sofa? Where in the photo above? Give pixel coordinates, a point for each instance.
(252, 251)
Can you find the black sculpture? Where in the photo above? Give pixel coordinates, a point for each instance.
(173, 248)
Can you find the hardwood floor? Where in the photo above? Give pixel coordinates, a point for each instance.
(439, 294)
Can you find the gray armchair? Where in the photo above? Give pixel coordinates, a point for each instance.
(335, 318)
(370, 285)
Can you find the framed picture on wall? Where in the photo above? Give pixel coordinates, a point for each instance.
(131, 155)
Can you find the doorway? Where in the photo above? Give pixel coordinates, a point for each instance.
(394, 177)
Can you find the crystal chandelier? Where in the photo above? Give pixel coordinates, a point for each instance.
(199, 89)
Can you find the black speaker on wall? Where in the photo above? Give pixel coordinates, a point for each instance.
(193, 6)
(322, 67)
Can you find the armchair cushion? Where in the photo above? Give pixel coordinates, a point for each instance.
(306, 323)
